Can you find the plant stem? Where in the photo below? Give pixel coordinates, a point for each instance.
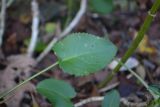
(135, 43)
(138, 77)
(132, 72)
(27, 80)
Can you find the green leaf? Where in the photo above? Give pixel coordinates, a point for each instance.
(58, 92)
(81, 53)
(50, 27)
(101, 6)
(155, 88)
(154, 103)
(111, 99)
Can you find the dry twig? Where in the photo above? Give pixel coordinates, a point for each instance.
(68, 29)
(88, 100)
(35, 25)
(123, 100)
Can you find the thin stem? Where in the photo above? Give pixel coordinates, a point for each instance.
(138, 77)
(135, 43)
(27, 80)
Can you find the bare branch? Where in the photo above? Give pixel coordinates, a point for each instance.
(88, 100)
(35, 29)
(76, 19)
(131, 104)
(2, 20)
(68, 29)
(122, 100)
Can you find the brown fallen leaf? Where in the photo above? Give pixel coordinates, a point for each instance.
(18, 69)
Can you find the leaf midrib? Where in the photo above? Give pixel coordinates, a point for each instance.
(75, 56)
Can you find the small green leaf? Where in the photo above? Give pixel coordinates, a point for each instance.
(58, 92)
(40, 46)
(154, 103)
(101, 6)
(81, 53)
(155, 88)
(111, 99)
(50, 27)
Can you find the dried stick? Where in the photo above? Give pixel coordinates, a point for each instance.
(123, 100)
(2, 20)
(67, 30)
(35, 25)
(88, 100)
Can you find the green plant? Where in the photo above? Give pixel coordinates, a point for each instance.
(155, 90)
(101, 6)
(58, 92)
(78, 54)
(111, 99)
(136, 42)
(81, 54)
(130, 51)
